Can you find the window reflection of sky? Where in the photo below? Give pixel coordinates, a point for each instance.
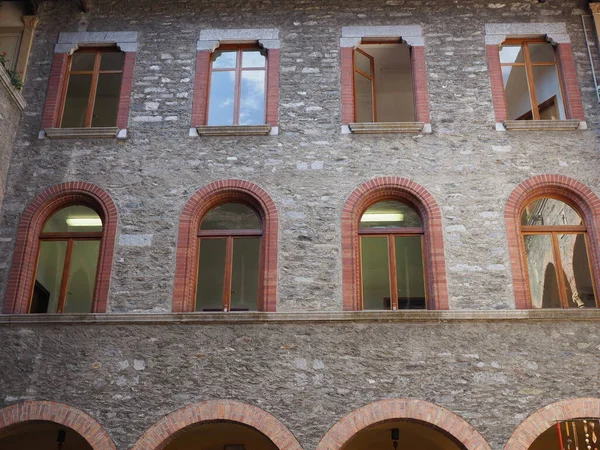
(222, 89)
(511, 54)
(252, 99)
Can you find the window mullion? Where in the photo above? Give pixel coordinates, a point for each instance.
(559, 271)
(93, 89)
(65, 277)
(227, 275)
(392, 269)
(530, 81)
(238, 89)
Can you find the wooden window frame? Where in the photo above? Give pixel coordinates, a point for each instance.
(239, 48)
(70, 238)
(553, 231)
(391, 233)
(371, 78)
(524, 43)
(230, 236)
(95, 72)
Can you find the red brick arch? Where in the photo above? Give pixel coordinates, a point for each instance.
(172, 425)
(544, 418)
(401, 189)
(87, 427)
(197, 206)
(562, 188)
(22, 272)
(399, 409)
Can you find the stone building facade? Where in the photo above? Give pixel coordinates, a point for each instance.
(309, 370)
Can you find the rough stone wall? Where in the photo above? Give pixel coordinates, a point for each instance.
(309, 375)
(310, 168)
(10, 113)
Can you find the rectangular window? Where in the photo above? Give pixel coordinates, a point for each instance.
(532, 85)
(93, 88)
(383, 86)
(10, 43)
(237, 86)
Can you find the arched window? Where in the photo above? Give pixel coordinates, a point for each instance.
(67, 262)
(391, 256)
(556, 251)
(229, 259)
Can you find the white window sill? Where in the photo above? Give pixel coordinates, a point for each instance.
(234, 130)
(542, 125)
(84, 133)
(387, 127)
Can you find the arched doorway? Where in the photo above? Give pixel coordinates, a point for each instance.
(570, 434)
(42, 436)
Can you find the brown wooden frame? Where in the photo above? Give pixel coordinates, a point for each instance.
(95, 72)
(553, 231)
(70, 238)
(371, 78)
(524, 43)
(238, 78)
(390, 234)
(230, 235)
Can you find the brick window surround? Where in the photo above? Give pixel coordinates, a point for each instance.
(413, 36)
(159, 435)
(19, 414)
(404, 190)
(556, 34)
(548, 416)
(208, 42)
(568, 190)
(403, 409)
(68, 43)
(25, 256)
(186, 263)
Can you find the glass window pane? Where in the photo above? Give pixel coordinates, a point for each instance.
(231, 216)
(543, 283)
(10, 44)
(83, 61)
(576, 268)
(244, 276)
(375, 273)
(511, 54)
(516, 92)
(48, 278)
(362, 63)
(222, 92)
(76, 103)
(549, 211)
(224, 59)
(252, 99)
(390, 214)
(73, 219)
(542, 52)
(409, 272)
(112, 61)
(364, 98)
(107, 100)
(82, 276)
(547, 93)
(211, 273)
(253, 58)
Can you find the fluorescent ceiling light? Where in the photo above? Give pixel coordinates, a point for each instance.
(397, 217)
(84, 221)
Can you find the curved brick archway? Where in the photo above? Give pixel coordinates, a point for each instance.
(544, 418)
(197, 206)
(399, 409)
(46, 203)
(159, 435)
(87, 427)
(562, 188)
(401, 189)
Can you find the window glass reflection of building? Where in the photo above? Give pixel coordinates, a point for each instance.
(556, 250)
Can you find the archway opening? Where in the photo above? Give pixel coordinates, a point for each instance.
(221, 435)
(42, 435)
(571, 434)
(409, 434)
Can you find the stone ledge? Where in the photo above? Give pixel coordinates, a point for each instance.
(234, 130)
(558, 315)
(542, 125)
(386, 127)
(12, 91)
(78, 133)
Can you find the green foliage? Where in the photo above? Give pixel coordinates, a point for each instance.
(15, 77)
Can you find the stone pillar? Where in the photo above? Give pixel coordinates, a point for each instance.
(30, 22)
